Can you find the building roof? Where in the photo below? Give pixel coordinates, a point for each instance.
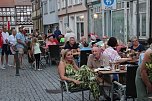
(22, 2)
(12, 3)
(6, 3)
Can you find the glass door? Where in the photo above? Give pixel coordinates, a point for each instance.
(80, 30)
(142, 24)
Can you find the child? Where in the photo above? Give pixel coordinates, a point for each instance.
(36, 51)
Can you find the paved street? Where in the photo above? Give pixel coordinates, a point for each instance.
(31, 85)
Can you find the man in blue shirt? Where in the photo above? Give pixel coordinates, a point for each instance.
(20, 44)
(57, 32)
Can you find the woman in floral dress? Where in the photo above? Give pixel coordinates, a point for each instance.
(80, 77)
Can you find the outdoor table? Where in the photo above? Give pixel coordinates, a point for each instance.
(109, 72)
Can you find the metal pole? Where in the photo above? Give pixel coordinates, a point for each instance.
(67, 12)
(150, 26)
(17, 63)
(137, 19)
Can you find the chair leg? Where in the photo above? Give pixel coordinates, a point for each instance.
(62, 93)
(82, 96)
(89, 95)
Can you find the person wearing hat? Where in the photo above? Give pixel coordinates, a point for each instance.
(69, 34)
(21, 45)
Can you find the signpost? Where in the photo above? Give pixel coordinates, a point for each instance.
(108, 4)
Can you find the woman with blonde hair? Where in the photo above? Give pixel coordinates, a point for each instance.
(36, 51)
(79, 77)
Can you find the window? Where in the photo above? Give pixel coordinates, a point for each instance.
(45, 10)
(58, 4)
(70, 2)
(12, 9)
(77, 1)
(8, 9)
(63, 4)
(1, 19)
(4, 18)
(12, 19)
(51, 5)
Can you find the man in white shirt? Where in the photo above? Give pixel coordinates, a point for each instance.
(5, 47)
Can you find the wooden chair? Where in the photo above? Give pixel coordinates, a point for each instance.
(84, 57)
(44, 57)
(54, 53)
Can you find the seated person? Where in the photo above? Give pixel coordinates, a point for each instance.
(62, 39)
(112, 54)
(50, 41)
(79, 77)
(96, 60)
(83, 42)
(136, 46)
(72, 45)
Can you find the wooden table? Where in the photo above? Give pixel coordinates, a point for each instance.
(114, 82)
(105, 72)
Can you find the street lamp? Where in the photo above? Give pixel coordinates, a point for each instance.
(95, 16)
(81, 17)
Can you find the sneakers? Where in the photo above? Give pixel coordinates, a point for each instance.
(9, 65)
(39, 69)
(2, 67)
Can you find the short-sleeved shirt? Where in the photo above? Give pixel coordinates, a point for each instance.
(5, 36)
(20, 36)
(111, 54)
(96, 63)
(75, 46)
(140, 48)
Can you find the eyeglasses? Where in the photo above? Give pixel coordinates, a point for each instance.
(134, 40)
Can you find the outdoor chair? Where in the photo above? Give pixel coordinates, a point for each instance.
(54, 53)
(44, 57)
(84, 57)
(64, 87)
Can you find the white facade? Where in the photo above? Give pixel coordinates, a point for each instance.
(73, 14)
(50, 15)
(121, 22)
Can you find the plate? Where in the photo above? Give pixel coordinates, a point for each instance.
(104, 69)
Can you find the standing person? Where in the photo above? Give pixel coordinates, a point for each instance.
(5, 49)
(36, 51)
(20, 45)
(142, 81)
(57, 33)
(12, 42)
(1, 44)
(69, 34)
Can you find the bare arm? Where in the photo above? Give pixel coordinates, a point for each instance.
(19, 41)
(61, 70)
(124, 59)
(143, 71)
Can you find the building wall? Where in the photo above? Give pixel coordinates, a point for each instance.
(50, 16)
(75, 16)
(120, 23)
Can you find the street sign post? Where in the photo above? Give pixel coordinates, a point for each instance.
(108, 4)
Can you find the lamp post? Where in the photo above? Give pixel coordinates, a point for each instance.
(150, 24)
(137, 19)
(17, 63)
(95, 16)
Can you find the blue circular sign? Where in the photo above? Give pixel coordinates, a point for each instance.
(108, 2)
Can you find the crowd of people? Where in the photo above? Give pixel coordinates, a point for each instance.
(105, 51)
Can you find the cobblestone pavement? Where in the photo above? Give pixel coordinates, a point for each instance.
(31, 85)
